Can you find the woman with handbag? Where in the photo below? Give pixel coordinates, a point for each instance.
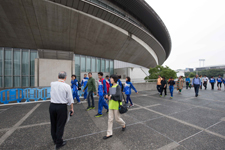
(114, 97)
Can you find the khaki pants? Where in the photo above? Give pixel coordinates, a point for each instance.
(111, 115)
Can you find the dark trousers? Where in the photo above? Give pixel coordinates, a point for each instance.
(58, 117)
(162, 88)
(128, 100)
(205, 85)
(158, 88)
(187, 85)
(196, 86)
(90, 94)
(212, 84)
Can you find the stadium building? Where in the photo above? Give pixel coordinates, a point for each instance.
(39, 38)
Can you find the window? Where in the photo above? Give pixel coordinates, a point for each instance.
(103, 65)
(33, 55)
(77, 65)
(1, 60)
(98, 65)
(83, 64)
(8, 67)
(88, 64)
(111, 67)
(93, 65)
(107, 66)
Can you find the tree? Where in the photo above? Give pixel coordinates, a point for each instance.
(162, 71)
(192, 75)
(208, 73)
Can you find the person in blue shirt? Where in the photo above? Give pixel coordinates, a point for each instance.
(108, 80)
(212, 81)
(74, 86)
(224, 83)
(171, 87)
(187, 82)
(102, 92)
(84, 83)
(219, 82)
(196, 82)
(127, 90)
(120, 83)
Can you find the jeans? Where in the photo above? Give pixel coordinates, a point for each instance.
(85, 94)
(171, 87)
(187, 85)
(128, 99)
(90, 94)
(196, 86)
(101, 103)
(158, 88)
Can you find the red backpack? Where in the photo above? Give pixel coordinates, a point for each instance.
(107, 85)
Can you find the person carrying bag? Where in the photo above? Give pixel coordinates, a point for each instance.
(115, 107)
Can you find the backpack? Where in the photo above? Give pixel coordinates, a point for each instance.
(107, 85)
(79, 86)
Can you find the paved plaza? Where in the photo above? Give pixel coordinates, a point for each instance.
(184, 122)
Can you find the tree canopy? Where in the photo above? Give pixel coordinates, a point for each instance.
(208, 73)
(162, 71)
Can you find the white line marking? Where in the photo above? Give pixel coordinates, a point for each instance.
(169, 146)
(11, 130)
(33, 125)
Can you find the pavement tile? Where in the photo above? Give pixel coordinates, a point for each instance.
(204, 141)
(200, 116)
(172, 129)
(219, 128)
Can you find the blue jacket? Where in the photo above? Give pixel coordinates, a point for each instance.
(127, 88)
(212, 80)
(109, 82)
(188, 80)
(102, 89)
(224, 80)
(74, 85)
(84, 81)
(219, 80)
(119, 83)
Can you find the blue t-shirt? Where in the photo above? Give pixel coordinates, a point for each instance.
(219, 80)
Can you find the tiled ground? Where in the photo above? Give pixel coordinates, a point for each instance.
(184, 122)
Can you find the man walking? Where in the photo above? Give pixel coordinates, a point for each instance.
(61, 96)
(196, 83)
(205, 81)
(187, 82)
(102, 92)
(212, 81)
(219, 82)
(84, 83)
(159, 84)
(91, 88)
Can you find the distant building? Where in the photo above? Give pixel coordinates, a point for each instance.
(189, 69)
(180, 72)
(210, 67)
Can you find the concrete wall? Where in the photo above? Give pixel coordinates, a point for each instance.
(46, 70)
(133, 73)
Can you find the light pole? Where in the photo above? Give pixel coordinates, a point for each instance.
(203, 60)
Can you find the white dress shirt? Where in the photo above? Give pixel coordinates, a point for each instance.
(61, 93)
(205, 78)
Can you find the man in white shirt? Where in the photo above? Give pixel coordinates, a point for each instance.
(61, 96)
(205, 81)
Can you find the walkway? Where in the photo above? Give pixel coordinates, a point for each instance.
(185, 122)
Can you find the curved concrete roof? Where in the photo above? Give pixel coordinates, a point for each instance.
(150, 19)
(80, 27)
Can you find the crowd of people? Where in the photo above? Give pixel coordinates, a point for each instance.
(197, 82)
(110, 92)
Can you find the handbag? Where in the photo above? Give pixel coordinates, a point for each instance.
(122, 108)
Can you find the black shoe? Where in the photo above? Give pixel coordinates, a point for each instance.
(63, 144)
(98, 115)
(123, 128)
(107, 111)
(106, 137)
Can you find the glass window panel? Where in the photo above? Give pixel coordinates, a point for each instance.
(83, 64)
(8, 82)
(107, 66)
(25, 82)
(103, 66)
(16, 62)
(0, 81)
(32, 81)
(78, 78)
(77, 65)
(16, 81)
(88, 64)
(25, 63)
(111, 67)
(98, 65)
(8, 61)
(33, 55)
(93, 66)
(1, 59)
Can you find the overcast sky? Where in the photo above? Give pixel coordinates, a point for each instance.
(197, 30)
